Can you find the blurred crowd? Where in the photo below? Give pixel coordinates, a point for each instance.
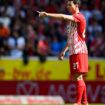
(24, 34)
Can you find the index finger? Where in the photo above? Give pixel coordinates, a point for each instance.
(38, 11)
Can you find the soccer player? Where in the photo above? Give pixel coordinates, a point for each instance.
(76, 45)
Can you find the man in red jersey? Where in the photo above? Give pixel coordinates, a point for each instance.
(76, 45)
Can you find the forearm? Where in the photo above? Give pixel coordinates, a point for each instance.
(62, 54)
(60, 16)
(65, 48)
(56, 16)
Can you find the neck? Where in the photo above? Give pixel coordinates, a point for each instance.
(76, 11)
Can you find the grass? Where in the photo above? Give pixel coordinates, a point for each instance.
(89, 104)
(48, 104)
(70, 104)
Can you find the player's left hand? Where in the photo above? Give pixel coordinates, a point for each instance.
(61, 56)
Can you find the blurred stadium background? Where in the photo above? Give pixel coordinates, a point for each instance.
(29, 47)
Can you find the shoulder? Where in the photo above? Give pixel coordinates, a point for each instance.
(79, 15)
(82, 15)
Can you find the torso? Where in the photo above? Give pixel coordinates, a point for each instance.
(76, 41)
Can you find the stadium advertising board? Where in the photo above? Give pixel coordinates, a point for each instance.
(14, 69)
(66, 89)
(30, 100)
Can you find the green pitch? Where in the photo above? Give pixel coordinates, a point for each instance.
(48, 104)
(89, 104)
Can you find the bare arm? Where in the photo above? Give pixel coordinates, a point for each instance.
(56, 16)
(65, 48)
(60, 16)
(62, 54)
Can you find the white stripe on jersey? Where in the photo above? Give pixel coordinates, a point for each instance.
(75, 46)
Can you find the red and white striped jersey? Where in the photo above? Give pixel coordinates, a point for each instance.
(76, 35)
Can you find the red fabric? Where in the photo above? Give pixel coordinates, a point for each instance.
(84, 96)
(76, 35)
(81, 92)
(78, 63)
(80, 19)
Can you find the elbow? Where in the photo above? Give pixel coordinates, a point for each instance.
(67, 44)
(62, 16)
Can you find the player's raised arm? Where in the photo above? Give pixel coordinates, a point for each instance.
(56, 16)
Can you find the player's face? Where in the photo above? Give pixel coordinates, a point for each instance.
(71, 7)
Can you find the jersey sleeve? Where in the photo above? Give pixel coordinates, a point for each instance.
(81, 21)
(78, 17)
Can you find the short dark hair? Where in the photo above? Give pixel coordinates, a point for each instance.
(76, 2)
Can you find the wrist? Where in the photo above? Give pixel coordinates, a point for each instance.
(47, 14)
(64, 52)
